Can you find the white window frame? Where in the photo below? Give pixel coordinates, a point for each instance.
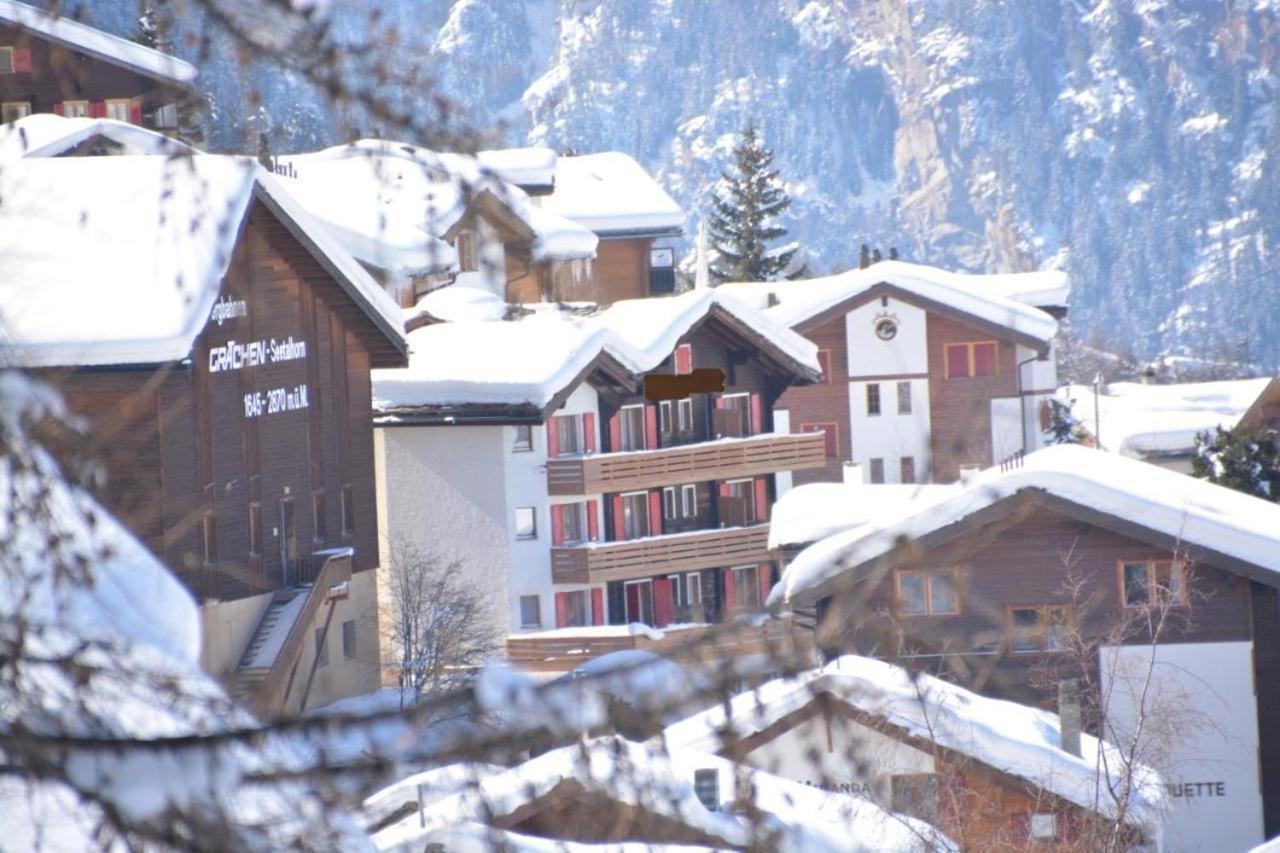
(684, 415)
(669, 505)
(642, 599)
(533, 523)
(5, 107)
(1043, 826)
(664, 416)
(648, 522)
(518, 446)
(537, 611)
(75, 109)
(117, 103)
(625, 421)
(9, 51)
(910, 407)
(755, 586)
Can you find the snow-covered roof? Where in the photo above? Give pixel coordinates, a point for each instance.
(392, 205)
(92, 42)
(529, 361)
(49, 135)
(989, 299)
(1021, 741)
(1203, 518)
(814, 511)
(611, 194)
(118, 260)
(459, 304)
(1161, 420)
(661, 782)
(528, 168)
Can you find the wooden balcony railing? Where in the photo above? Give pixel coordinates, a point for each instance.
(712, 460)
(656, 555)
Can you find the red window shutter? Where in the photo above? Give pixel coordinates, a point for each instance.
(829, 431)
(553, 437)
(719, 402)
(593, 522)
(562, 609)
(59, 109)
(824, 362)
(1020, 826)
(619, 520)
(957, 357)
(557, 524)
(984, 359)
(135, 112)
(98, 109)
(728, 591)
(684, 358)
(22, 60)
(597, 606)
(765, 573)
(762, 500)
(655, 513)
(650, 426)
(589, 431)
(757, 415)
(662, 609)
(615, 432)
(724, 490)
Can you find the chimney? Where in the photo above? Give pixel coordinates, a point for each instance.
(967, 473)
(1069, 716)
(772, 299)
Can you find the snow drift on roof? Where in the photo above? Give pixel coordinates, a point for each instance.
(814, 511)
(459, 304)
(529, 361)
(610, 193)
(987, 298)
(1155, 420)
(524, 167)
(112, 49)
(1015, 739)
(48, 135)
(118, 260)
(1194, 512)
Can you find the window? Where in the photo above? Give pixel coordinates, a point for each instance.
(1038, 629)
(908, 466)
(572, 609)
(689, 500)
(209, 538)
(664, 417)
(824, 362)
(732, 417)
(255, 528)
(530, 611)
(573, 526)
(523, 440)
(635, 515)
(526, 523)
(566, 435)
(746, 588)
(322, 650)
(693, 595)
(877, 470)
(916, 794)
(639, 601)
(349, 639)
(319, 527)
(14, 110)
(6, 60)
(926, 593)
(466, 246)
(684, 358)
(632, 419)
(830, 431)
(118, 109)
(669, 502)
(684, 415)
(75, 109)
(1139, 578)
(904, 398)
(1043, 827)
(963, 361)
(347, 499)
(706, 787)
(873, 398)
(738, 503)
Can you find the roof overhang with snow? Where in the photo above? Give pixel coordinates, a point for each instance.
(612, 194)
(1207, 523)
(48, 135)
(69, 33)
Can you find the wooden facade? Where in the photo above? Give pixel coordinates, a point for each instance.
(235, 475)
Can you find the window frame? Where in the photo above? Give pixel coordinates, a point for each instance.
(669, 502)
(970, 359)
(929, 610)
(350, 645)
(1042, 628)
(533, 524)
(466, 246)
(1032, 833)
(905, 386)
(684, 415)
(209, 539)
(874, 403)
(665, 423)
(81, 106)
(873, 464)
(624, 421)
(524, 445)
(907, 470)
(739, 603)
(629, 501)
(107, 104)
(255, 528)
(689, 506)
(347, 510)
(537, 611)
(322, 648)
(9, 50)
(1178, 595)
(7, 105)
(641, 600)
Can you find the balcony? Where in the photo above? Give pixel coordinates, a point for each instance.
(727, 458)
(656, 555)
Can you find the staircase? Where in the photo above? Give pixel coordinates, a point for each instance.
(251, 673)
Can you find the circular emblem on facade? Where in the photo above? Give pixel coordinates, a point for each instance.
(886, 328)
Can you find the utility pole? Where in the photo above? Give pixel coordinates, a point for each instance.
(1097, 416)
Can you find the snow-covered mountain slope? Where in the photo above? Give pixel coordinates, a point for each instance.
(1130, 142)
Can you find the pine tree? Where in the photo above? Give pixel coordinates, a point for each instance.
(1064, 427)
(1241, 459)
(743, 212)
(149, 32)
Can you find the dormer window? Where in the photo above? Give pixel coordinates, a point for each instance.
(466, 246)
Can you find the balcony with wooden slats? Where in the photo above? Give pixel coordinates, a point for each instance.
(658, 555)
(712, 460)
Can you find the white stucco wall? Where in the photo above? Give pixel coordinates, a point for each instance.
(491, 274)
(868, 355)
(889, 435)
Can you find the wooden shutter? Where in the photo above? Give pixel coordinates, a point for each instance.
(984, 359)
(135, 112)
(684, 358)
(593, 521)
(21, 60)
(557, 524)
(757, 415)
(597, 606)
(615, 432)
(619, 520)
(765, 572)
(562, 609)
(650, 426)
(724, 490)
(762, 500)
(655, 513)
(662, 609)
(728, 592)
(97, 109)
(553, 437)
(1020, 826)
(589, 431)
(719, 402)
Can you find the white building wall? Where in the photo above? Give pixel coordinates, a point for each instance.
(782, 426)
(1040, 375)
(1007, 428)
(906, 353)
(491, 261)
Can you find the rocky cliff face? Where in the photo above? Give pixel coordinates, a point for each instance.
(1136, 144)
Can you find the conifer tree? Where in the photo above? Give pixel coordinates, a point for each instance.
(1241, 459)
(149, 31)
(743, 216)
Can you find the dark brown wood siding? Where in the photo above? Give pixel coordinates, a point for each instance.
(1266, 678)
(826, 402)
(621, 270)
